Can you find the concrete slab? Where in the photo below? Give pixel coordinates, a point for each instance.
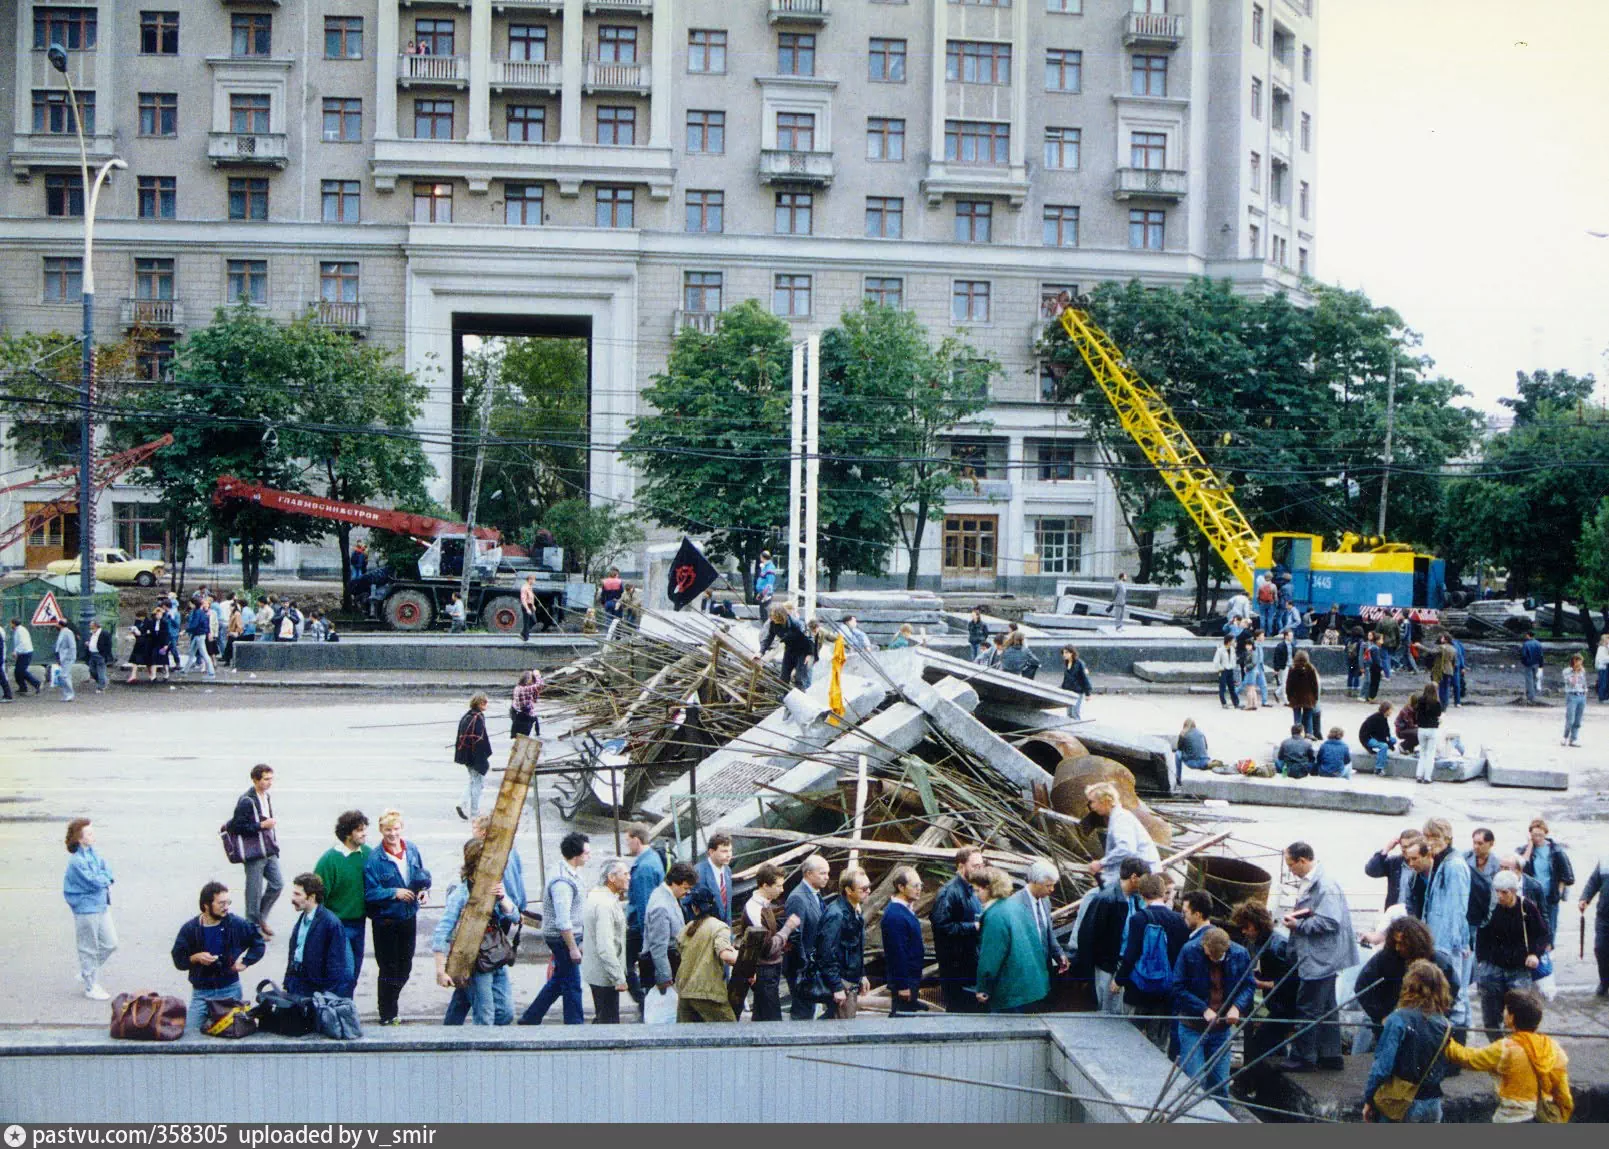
(1176, 673)
(957, 622)
(995, 685)
(1526, 777)
(955, 723)
(1148, 756)
(1465, 769)
(1307, 794)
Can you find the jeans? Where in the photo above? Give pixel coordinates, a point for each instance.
(1197, 1049)
(566, 980)
(1354, 680)
(1603, 684)
(1180, 762)
(1444, 690)
(973, 648)
(1429, 741)
(1316, 999)
(1381, 751)
(25, 677)
(471, 799)
(1575, 707)
(1106, 994)
(66, 681)
(97, 941)
(1494, 982)
(97, 670)
(1458, 687)
(1227, 689)
(1258, 679)
(394, 942)
(1307, 718)
(199, 655)
(1076, 710)
(354, 940)
(263, 885)
(1267, 616)
(196, 1016)
(1550, 914)
(1533, 682)
(1422, 1111)
(486, 1000)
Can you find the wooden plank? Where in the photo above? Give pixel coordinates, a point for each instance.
(1071, 908)
(801, 850)
(860, 809)
(1003, 858)
(523, 756)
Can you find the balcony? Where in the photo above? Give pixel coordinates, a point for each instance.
(950, 178)
(703, 321)
(529, 75)
(479, 162)
(1279, 142)
(56, 151)
(784, 166)
(1150, 183)
(1280, 71)
(797, 11)
(152, 313)
(621, 7)
(1153, 31)
(549, 7)
(243, 149)
(442, 71)
(607, 76)
(343, 316)
(1279, 213)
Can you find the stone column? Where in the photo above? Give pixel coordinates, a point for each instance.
(571, 73)
(387, 48)
(480, 69)
(659, 82)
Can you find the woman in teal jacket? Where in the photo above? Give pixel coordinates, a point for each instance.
(1012, 974)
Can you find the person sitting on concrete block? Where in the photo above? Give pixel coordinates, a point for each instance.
(1334, 759)
(1295, 755)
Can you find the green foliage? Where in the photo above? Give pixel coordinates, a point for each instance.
(1590, 587)
(401, 552)
(1561, 389)
(593, 536)
(42, 373)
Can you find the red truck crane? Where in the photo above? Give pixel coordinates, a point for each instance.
(415, 604)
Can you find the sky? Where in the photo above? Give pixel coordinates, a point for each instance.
(1463, 158)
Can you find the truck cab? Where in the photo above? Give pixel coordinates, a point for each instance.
(444, 557)
(1361, 572)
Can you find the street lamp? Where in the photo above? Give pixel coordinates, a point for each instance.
(86, 384)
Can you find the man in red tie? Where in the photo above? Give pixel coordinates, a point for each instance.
(715, 875)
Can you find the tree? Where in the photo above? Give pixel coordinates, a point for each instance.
(1590, 587)
(42, 373)
(1561, 389)
(593, 536)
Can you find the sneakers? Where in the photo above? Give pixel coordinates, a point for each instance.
(392, 1021)
(461, 813)
(96, 993)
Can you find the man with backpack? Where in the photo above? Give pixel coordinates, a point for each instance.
(1156, 934)
(1267, 602)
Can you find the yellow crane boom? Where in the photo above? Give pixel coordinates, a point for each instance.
(1150, 422)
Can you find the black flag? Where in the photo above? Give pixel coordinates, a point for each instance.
(690, 574)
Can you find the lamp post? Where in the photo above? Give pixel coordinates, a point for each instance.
(86, 384)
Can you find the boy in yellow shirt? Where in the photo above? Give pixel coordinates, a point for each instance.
(1528, 1065)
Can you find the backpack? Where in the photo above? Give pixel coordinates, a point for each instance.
(1153, 973)
(1480, 899)
(287, 1015)
(1266, 593)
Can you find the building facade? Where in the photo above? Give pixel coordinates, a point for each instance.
(415, 171)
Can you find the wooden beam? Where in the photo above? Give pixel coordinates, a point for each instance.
(860, 808)
(1002, 858)
(1071, 908)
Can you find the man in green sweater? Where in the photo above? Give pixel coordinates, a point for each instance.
(341, 870)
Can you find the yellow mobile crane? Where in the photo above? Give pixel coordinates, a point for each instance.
(1366, 576)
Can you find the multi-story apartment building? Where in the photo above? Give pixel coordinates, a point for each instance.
(415, 170)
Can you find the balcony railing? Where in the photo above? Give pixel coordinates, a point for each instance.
(797, 11)
(433, 69)
(785, 166)
(526, 73)
(1150, 183)
(1280, 70)
(641, 7)
(553, 7)
(339, 313)
(152, 313)
(608, 76)
(1153, 30)
(252, 149)
(698, 320)
(1279, 142)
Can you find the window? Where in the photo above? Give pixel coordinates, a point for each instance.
(1257, 25)
(1050, 297)
(72, 28)
(1148, 76)
(885, 139)
(793, 212)
(706, 132)
(977, 62)
(1060, 462)
(1049, 385)
(250, 33)
(969, 301)
(796, 131)
(159, 113)
(1303, 199)
(248, 197)
(1307, 64)
(617, 126)
(885, 217)
(885, 291)
(528, 42)
(153, 359)
(64, 279)
(1061, 148)
(1281, 251)
(343, 120)
(1307, 132)
(1279, 182)
(887, 61)
(53, 112)
(970, 542)
(527, 123)
(706, 211)
(522, 205)
(1145, 230)
(153, 279)
(1256, 98)
(433, 119)
(432, 203)
(701, 292)
(141, 529)
(790, 295)
(617, 44)
(616, 207)
(338, 282)
(64, 195)
(972, 457)
(1301, 261)
(1060, 542)
(1064, 70)
(973, 218)
(1148, 150)
(796, 54)
(434, 37)
(706, 50)
(1061, 226)
(1256, 172)
(248, 113)
(977, 142)
(340, 200)
(246, 279)
(1280, 110)
(159, 33)
(157, 197)
(1254, 237)
(343, 37)
(1073, 7)
(1151, 7)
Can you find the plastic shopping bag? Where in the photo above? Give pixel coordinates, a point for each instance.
(659, 1008)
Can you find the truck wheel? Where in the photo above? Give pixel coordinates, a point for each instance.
(501, 615)
(409, 610)
(145, 578)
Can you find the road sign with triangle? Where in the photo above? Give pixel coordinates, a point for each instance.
(47, 613)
